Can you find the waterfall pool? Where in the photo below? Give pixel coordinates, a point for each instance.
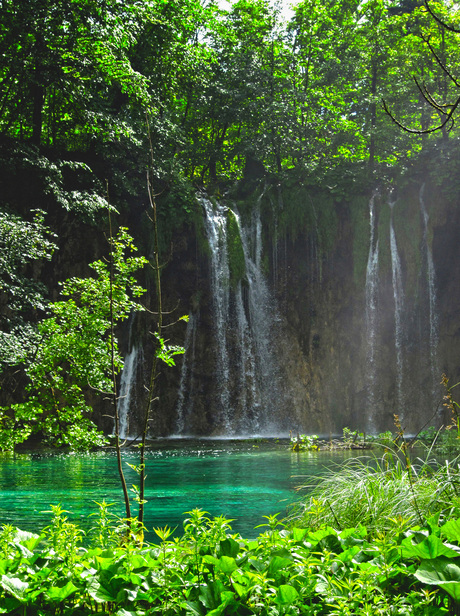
(244, 480)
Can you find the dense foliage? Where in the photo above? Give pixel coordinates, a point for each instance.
(212, 571)
(74, 351)
(226, 86)
(230, 95)
(20, 243)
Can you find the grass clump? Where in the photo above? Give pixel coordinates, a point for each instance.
(384, 494)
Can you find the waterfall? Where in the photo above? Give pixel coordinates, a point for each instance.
(372, 279)
(276, 206)
(244, 317)
(185, 394)
(127, 389)
(216, 231)
(431, 282)
(275, 253)
(248, 395)
(315, 247)
(398, 295)
(262, 315)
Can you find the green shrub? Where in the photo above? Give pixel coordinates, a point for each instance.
(304, 442)
(210, 571)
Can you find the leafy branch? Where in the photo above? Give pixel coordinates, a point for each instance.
(445, 110)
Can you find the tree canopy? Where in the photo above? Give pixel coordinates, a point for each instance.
(221, 85)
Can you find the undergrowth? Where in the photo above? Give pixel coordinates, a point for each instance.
(376, 537)
(212, 571)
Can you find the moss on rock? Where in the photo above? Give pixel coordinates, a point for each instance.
(236, 262)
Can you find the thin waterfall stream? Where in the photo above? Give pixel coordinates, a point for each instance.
(398, 295)
(262, 313)
(372, 285)
(431, 282)
(185, 393)
(128, 383)
(216, 232)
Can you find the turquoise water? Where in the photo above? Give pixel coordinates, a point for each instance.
(240, 480)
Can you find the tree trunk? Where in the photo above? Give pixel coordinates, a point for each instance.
(38, 99)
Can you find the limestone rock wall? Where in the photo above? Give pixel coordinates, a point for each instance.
(327, 378)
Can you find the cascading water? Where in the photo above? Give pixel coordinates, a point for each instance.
(261, 321)
(185, 393)
(243, 322)
(398, 295)
(372, 280)
(248, 400)
(315, 248)
(216, 231)
(231, 377)
(431, 282)
(275, 253)
(128, 383)
(277, 206)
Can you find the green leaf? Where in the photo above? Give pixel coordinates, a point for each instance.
(210, 560)
(240, 589)
(349, 554)
(210, 594)
(443, 573)
(10, 604)
(226, 598)
(30, 540)
(286, 594)
(438, 570)
(229, 547)
(315, 537)
(430, 547)
(298, 534)
(195, 607)
(15, 587)
(59, 593)
(100, 593)
(451, 530)
(277, 563)
(25, 553)
(227, 564)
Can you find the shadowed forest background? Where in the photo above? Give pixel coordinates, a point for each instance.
(335, 232)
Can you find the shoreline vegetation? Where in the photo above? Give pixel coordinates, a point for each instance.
(212, 571)
(374, 536)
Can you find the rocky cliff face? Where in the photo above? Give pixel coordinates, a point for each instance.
(310, 309)
(360, 316)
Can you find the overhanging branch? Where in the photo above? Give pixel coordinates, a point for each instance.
(439, 20)
(448, 119)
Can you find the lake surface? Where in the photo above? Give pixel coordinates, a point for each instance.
(241, 480)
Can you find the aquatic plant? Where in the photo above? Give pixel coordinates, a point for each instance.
(304, 442)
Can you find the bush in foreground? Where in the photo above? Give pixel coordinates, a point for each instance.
(212, 571)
